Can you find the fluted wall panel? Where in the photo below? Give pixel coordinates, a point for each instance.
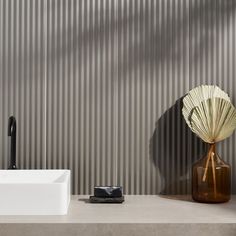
(81, 64)
(153, 73)
(22, 80)
(97, 87)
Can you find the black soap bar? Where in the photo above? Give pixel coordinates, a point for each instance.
(94, 199)
(108, 191)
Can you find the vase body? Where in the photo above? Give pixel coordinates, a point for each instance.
(211, 178)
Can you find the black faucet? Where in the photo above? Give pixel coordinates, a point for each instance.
(12, 134)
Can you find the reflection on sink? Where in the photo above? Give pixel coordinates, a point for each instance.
(34, 192)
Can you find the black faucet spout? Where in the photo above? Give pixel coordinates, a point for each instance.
(12, 134)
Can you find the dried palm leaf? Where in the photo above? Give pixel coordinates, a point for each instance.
(199, 94)
(213, 120)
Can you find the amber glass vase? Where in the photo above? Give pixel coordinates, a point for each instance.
(211, 178)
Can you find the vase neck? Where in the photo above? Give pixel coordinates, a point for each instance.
(212, 150)
(212, 147)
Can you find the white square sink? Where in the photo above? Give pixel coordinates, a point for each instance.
(34, 192)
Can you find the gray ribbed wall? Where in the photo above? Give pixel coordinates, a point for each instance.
(96, 86)
(81, 88)
(22, 80)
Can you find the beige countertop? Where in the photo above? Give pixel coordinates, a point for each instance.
(138, 209)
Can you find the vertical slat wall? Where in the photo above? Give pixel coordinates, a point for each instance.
(81, 76)
(22, 80)
(96, 86)
(153, 72)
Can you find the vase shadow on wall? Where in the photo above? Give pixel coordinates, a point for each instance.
(173, 150)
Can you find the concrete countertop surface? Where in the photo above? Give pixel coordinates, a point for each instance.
(138, 209)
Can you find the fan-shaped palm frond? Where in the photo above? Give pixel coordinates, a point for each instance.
(213, 120)
(199, 94)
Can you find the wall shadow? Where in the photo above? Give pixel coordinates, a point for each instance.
(173, 150)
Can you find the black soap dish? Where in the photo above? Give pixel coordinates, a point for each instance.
(107, 194)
